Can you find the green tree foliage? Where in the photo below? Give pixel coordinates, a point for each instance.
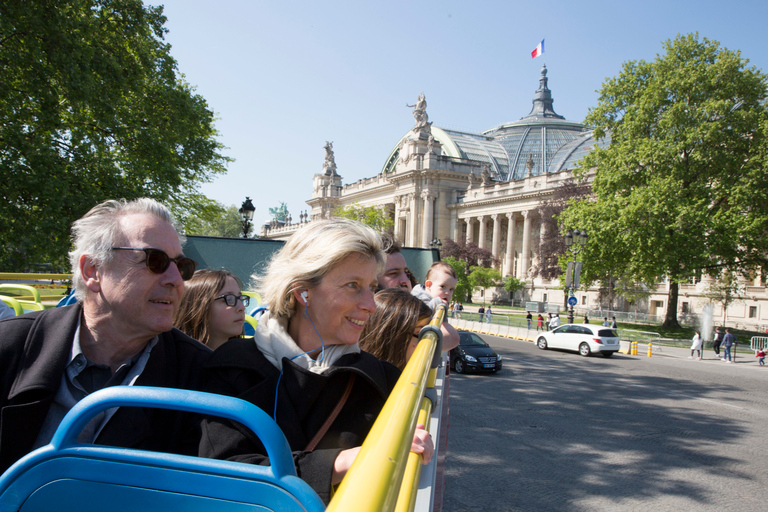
(371, 216)
(92, 107)
(483, 277)
(513, 285)
(681, 186)
(225, 224)
(463, 288)
(724, 290)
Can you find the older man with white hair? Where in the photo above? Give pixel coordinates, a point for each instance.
(128, 272)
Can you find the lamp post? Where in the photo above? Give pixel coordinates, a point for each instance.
(575, 241)
(246, 215)
(436, 244)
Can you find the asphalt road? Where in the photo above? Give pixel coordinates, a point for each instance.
(554, 431)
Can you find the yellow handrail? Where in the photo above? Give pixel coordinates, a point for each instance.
(374, 480)
(28, 275)
(13, 303)
(35, 295)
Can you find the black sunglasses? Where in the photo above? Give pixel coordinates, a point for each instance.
(158, 262)
(231, 300)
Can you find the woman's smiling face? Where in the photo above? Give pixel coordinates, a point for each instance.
(341, 304)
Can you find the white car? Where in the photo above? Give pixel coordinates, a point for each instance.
(582, 338)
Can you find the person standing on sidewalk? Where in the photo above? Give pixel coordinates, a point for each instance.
(696, 346)
(529, 319)
(728, 341)
(717, 341)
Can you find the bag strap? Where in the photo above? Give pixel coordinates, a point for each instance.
(336, 410)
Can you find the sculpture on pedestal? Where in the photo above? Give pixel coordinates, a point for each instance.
(329, 166)
(420, 114)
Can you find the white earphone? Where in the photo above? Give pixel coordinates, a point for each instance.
(304, 296)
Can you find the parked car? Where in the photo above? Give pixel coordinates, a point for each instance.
(474, 354)
(582, 338)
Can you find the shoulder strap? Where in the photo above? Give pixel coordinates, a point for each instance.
(336, 410)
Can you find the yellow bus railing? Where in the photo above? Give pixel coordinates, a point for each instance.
(385, 472)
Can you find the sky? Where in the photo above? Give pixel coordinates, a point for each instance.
(284, 77)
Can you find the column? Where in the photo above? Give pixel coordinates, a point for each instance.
(470, 230)
(509, 264)
(398, 234)
(526, 259)
(413, 223)
(457, 227)
(496, 242)
(426, 229)
(483, 231)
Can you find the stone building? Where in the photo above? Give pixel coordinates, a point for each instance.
(485, 188)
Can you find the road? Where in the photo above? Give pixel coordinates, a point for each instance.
(554, 431)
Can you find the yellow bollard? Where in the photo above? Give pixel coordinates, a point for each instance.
(633, 350)
(650, 348)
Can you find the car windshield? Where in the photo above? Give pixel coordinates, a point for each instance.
(608, 333)
(468, 338)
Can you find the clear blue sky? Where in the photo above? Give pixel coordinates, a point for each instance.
(284, 77)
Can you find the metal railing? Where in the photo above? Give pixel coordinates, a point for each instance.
(385, 475)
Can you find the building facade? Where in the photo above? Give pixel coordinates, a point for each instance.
(485, 188)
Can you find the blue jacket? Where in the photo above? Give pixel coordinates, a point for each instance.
(729, 340)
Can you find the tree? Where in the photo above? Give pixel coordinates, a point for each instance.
(226, 224)
(513, 285)
(483, 277)
(92, 107)
(724, 291)
(463, 288)
(467, 252)
(371, 216)
(679, 182)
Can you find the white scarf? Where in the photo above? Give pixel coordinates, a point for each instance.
(275, 343)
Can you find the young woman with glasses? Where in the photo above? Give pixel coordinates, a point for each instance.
(213, 307)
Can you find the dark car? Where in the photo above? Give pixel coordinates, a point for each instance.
(473, 354)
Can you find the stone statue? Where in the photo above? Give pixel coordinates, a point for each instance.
(329, 166)
(472, 179)
(529, 164)
(420, 114)
(485, 175)
(431, 144)
(279, 214)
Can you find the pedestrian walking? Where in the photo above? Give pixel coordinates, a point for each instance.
(606, 323)
(548, 325)
(540, 323)
(717, 341)
(614, 325)
(761, 356)
(529, 319)
(586, 319)
(554, 323)
(488, 315)
(729, 340)
(696, 346)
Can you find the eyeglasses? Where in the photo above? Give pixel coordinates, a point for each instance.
(231, 300)
(158, 262)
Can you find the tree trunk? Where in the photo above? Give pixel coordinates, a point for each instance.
(670, 320)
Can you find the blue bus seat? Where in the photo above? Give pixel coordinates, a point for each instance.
(69, 476)
(67, 300)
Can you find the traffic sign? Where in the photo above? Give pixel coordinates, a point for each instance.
(572, 301)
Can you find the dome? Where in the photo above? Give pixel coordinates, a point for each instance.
(543, 137)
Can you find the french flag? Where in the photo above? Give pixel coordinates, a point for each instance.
(538, 50)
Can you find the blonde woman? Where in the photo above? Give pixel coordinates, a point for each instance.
(304, 359)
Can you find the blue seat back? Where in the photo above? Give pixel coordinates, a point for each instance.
(69, 476)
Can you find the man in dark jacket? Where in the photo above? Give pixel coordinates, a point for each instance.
(128, 274)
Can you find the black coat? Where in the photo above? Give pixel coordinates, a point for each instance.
(34, 351)
(304, 402)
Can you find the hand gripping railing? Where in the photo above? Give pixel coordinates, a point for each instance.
(385, 474)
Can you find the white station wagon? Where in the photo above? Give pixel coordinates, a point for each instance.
(582, 338)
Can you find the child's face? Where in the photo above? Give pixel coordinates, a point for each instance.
(441, 285)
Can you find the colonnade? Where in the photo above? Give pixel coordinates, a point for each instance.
(498, 220)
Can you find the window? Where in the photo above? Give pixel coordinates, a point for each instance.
(545, 298)
(752, 311)
(685, 307)
(583, 300)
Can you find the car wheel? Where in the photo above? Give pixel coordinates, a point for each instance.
(607, 354)
(584, 349)
(459, 366)
(542, 343)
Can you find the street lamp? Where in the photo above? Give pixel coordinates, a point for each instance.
(575, 241)
(246, 215)
(436, 244)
